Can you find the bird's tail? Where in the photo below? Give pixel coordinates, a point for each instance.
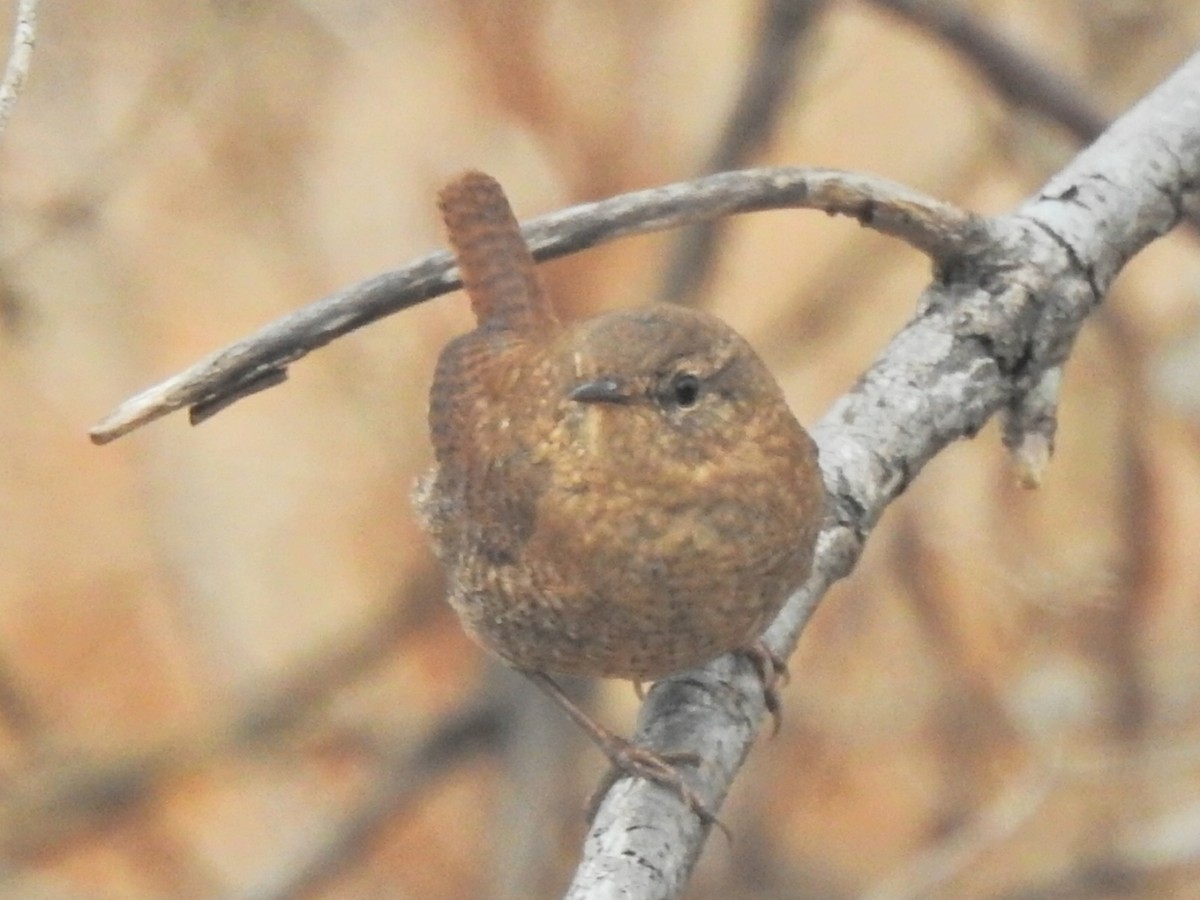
(496, 265)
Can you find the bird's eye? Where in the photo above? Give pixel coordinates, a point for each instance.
(685, 390)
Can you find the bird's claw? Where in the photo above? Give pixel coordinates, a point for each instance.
(628, 759)
(773, 673)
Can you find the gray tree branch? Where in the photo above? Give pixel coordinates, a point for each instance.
(19, 57)
(985, 333)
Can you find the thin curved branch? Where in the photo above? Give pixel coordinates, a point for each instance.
(259, 361)
(984, 334)
(19, 57)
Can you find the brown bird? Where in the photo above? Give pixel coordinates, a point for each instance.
(627, 496)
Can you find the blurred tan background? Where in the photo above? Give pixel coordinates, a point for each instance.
(226, 669)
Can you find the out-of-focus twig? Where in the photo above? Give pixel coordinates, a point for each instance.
(57, 798)
(937, 866)
(1017, 76)
(16, 711)
(541, 799)
(770, 81)
(406, 771)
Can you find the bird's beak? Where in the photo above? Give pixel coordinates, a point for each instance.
(600, 390)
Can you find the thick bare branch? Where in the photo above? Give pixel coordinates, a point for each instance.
(259, 361)
(984, 335)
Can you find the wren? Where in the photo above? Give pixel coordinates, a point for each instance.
(627, 497)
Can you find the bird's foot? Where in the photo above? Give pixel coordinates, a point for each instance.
(628, 759)
(773, 673)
